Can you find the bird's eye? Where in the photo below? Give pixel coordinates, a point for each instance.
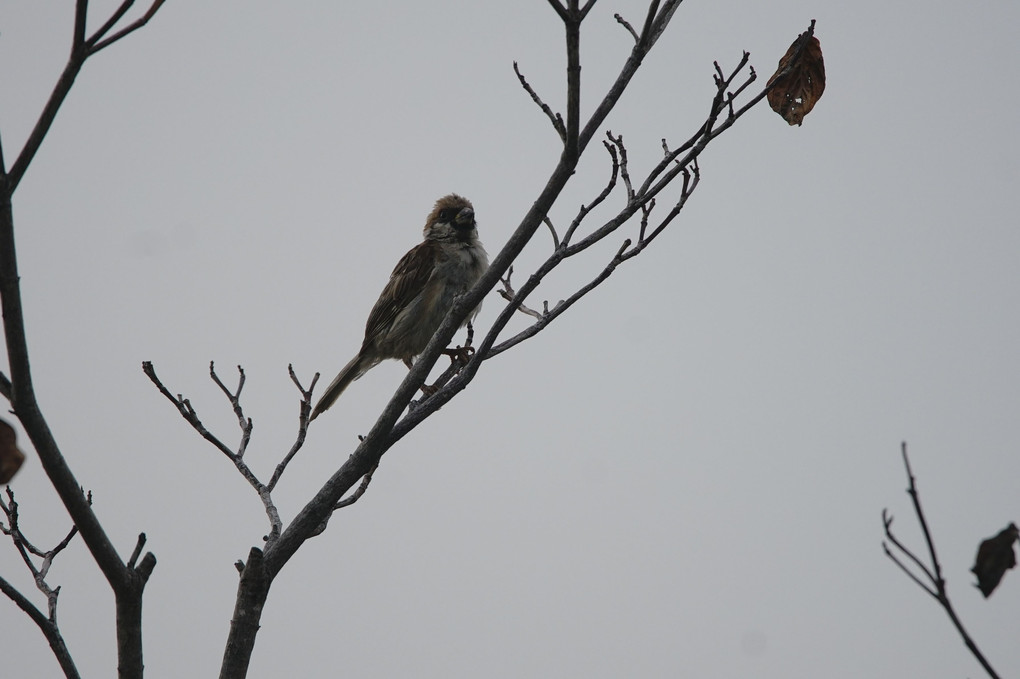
(446, 214)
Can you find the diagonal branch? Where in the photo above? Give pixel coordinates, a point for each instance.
(551, 314)
(623, 22)
(386, 430)
(109, 23)
(400, 415)
(184, 407)
(48, 628)
(561, 11)
(124, 32)
(932, 588)
(685, 166)
(508, 293)
(933, 572)
(555, 118)
(356, 495)
(610, 185)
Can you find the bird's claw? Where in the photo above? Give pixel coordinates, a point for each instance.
(460, 355)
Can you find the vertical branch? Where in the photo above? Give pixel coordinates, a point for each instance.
(572, 24)
(252, 592)
(126, 582)
(940, 582)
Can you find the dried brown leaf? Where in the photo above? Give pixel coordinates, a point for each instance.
(994, 557)
(799, 81)
(10, 457)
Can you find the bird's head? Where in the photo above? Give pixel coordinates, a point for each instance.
(452, 218)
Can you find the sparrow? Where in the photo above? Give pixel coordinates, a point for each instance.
(419, 294)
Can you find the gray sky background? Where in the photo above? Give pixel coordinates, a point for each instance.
(681, 477)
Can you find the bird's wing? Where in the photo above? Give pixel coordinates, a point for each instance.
(406, 282)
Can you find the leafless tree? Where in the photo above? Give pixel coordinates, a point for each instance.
(654, 198)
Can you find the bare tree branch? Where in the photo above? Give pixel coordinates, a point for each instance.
(587, 8)
(386, 430)
(552, 230)
(306, 410)
(356, 495)
(137, 550)
(81, 50)
(555, 118)
(183, 406)
(551, 314)
(124, 32)
(264, 490)
(49, 629)
(46, 623)
(932, 573)
(235, 404)
(623, 22)
(401, 415)
(108, 24)
(127, 583)
(585, 209)
(559, 8)
(188, 412)
(887, 520)
(508, 293)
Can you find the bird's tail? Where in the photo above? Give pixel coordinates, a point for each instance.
(352, 371)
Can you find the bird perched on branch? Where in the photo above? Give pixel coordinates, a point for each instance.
(420, 292)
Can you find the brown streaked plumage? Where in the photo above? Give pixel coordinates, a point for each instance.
(419, 294)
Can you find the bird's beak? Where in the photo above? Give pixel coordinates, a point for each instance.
(465, 218)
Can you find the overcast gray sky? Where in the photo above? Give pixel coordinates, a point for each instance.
(681, 477)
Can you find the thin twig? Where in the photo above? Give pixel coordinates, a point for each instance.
(356, 495)
(691, 179)
(887, 520)
(27, 550)
(508, 293)
(608, 189)
(137, 552)
(552, 230)
(131, 28)
(305, 412)
(235, 403)
(110, 23)
(932, 572)
(187, 412)
(916, 498)
(624, 172)
(552, 314)
(555, 118)
(46, 626)
(909, 573)
(623, 22)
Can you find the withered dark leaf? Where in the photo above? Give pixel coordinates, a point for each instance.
(10, 457)
(994, 557)
(798, 83)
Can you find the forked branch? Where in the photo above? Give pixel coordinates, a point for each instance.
(926, 576)
(47, 623)
(264, 490)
